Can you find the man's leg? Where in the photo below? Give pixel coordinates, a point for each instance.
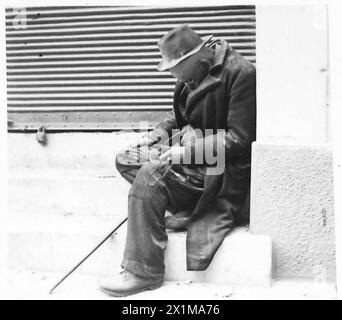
(154, 189)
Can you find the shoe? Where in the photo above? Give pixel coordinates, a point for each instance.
(127, 284)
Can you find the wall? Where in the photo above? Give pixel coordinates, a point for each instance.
(335, 53)
(292, 74)
(292, 172)
(292, 200)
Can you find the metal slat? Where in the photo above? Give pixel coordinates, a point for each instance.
(123, 102)
(88, 83)
(103, 59)
(250, 19)
(61, 23)
(128, 9)
(94, 89)
(21, 63)
(99, 11)
(128, 28)
(128, 63)
(127, 31)
(41, 61)
(133, 36)
(87, 95)
(119, 51)
(62, 19)
(94, 75)
(111, 44)
(146, 107)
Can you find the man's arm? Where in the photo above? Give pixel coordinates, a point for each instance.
(237, 140)
(162, 131)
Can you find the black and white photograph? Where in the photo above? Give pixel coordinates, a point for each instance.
(171, 151)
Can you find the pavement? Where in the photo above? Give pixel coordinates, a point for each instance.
(24, 284)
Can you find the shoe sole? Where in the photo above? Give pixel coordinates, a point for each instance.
(125, 294)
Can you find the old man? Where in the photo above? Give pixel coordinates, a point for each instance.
(215, 92)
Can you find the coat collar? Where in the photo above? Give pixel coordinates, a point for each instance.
(210, 80)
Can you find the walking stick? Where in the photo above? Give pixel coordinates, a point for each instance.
(88, 255)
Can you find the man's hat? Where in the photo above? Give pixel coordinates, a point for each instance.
(179, 44)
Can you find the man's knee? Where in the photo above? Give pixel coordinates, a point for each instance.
(148, 170)
(148, 177)
(126, 166)
(149, 189)
(121, 161)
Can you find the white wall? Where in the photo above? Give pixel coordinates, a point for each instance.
(335, 54)
(292, 197)
(292, 73)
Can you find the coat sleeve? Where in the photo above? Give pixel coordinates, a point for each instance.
(236, 140)
(163, 130)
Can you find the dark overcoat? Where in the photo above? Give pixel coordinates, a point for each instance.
(225, 99)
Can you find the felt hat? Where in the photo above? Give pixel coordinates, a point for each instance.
(179, 44)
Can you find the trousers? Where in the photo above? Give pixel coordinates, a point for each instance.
(155, 188)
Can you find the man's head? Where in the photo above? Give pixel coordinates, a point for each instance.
(183, 52)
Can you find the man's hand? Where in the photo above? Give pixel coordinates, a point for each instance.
(174, 155)
(146, 140)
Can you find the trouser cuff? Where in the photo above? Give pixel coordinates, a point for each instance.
(142, 270)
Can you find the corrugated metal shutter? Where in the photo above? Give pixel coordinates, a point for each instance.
(94, 68)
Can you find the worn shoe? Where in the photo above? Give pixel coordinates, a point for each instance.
(127, 284)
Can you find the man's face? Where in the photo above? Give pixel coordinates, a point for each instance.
(183, 71)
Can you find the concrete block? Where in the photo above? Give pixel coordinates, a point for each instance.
(56, 243)
(33, 250)
(242, 259)
(82, 152)
(66, 192)
(74, 174)
(292, 202)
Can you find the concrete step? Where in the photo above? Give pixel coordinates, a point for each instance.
(55, 178)
(56, 243)
(81, 151)
(66, 192)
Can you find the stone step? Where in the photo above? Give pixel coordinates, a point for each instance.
(56, 243)
(66, 192)
(58, 179)
(80, 151)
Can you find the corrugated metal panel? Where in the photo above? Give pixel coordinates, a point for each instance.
(94, 68)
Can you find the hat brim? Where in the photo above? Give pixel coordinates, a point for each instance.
(166, 65)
